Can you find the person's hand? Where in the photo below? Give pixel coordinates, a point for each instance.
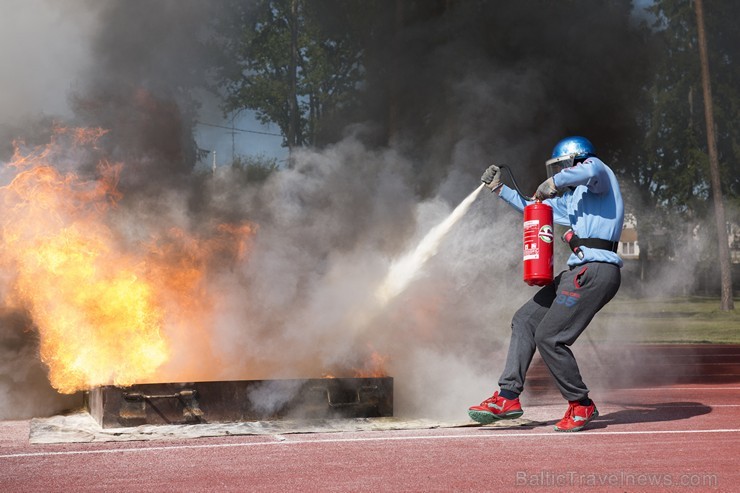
(546, 190)
(492, 177)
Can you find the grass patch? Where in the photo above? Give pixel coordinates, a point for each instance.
(673, 320)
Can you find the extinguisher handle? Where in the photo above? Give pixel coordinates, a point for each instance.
(569, 237)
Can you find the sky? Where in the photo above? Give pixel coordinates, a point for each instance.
(248, 139)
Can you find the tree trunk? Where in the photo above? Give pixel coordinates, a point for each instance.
(293, 117)
(725, 266)
(643, 256)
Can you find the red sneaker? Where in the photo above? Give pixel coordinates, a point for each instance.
(495, 408)
(577, 417)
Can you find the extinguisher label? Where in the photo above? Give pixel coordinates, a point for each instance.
(531, 246)
(546, 233)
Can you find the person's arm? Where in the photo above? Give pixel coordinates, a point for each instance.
(591, 173)
(512, 198)
(492, 180)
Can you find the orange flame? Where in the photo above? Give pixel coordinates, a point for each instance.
(374, 366)
(101, 310)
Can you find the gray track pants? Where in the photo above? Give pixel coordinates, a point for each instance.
(552, 320)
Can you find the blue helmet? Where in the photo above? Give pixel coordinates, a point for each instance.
(567, 152)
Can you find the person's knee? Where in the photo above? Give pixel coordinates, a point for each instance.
(544, 341)
(521, 322)
(551, 341)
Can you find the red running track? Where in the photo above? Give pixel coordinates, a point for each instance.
(680, 437)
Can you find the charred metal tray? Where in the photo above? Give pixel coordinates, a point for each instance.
(243, 400)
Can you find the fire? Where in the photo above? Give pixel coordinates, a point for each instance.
(374, 367)
(181, 264)
(104, 311)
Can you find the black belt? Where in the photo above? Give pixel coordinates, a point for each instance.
(593, 243)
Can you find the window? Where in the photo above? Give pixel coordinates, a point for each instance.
(628, 247)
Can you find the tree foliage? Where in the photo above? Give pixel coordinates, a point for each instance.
(414, 56)
(668, 180)
(675, 166)
(253, 169)
(261, 56)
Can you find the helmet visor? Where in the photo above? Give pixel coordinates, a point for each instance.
(558, 164)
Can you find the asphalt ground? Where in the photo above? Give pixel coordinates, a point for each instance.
(683, 436)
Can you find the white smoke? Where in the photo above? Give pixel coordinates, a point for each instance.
(45, 45)
(304, 303)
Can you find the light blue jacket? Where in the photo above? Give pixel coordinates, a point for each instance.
(592, 207)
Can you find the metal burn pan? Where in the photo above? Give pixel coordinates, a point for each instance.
(244, 400)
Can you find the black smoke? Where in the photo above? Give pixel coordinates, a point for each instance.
(504, 81)
(149, 60)
(450, 84)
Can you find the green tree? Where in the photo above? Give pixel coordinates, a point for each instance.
(676, 141)
(296, 63)
(253, 169)
(672, 180)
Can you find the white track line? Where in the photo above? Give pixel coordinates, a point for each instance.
(653, 389)
(616, 406)
(366, 439)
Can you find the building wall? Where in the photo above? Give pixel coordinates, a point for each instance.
(629, 247)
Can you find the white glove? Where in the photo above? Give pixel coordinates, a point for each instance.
(492, 177)
(546, 190)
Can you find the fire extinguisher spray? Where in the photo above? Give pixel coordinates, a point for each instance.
(538, 244)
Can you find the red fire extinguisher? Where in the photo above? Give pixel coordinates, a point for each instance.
(538, 244)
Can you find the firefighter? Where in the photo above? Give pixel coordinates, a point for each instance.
(584, 195)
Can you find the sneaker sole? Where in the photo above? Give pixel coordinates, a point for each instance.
(579, 428)
(486, 418)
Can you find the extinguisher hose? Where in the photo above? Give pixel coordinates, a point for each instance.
(513, 181)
